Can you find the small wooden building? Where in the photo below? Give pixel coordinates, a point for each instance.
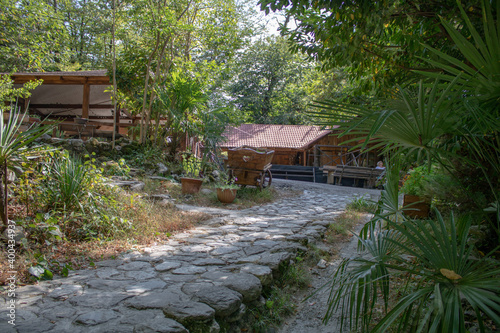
(78, 99)
(299, 145)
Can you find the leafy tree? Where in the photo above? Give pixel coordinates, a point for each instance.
(32, 37)
(268, 84)
(379, 43)
(161, 38)
(88, 25)
(223, 27)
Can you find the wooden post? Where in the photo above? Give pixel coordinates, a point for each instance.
(304, 155)
(317, 156)
(26, 105)
(86, 101)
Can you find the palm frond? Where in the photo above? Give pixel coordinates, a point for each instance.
(444, 278)
(410, 124)
(480, 74)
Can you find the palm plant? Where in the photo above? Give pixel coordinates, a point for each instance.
(14, 145)
(387, 207)
(479, 67)
(442, 276)
(184, 98)
(410, 124)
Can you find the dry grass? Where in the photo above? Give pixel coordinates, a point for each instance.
(154, 222)
(150, 223)
(341, 230)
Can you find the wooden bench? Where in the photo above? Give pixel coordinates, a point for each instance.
(84, 130)
(370, 175)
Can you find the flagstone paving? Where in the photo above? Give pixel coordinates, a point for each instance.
(199, 279)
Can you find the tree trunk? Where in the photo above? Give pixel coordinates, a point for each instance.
(142, 135)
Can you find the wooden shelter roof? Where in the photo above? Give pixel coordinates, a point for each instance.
(97, 77)
(68, 94)
(298, 137)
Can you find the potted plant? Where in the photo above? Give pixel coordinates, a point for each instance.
(226, 187)
(415, 204)
(191, 181)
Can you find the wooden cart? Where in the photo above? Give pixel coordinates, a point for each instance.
(250, 166)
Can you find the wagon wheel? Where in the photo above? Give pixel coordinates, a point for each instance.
(266, 179)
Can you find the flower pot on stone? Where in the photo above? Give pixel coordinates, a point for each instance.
(415, 201)
(226, 195)
(191, 182)
(415, 206)
(190, 185)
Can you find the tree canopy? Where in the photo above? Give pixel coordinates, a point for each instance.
(379, 43)
(269, 83)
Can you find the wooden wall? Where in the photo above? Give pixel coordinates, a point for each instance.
(334, 150)
(336, 153)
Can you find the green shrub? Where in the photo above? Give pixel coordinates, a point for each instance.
(360, 205)
(416, 181)
(115, 168)
(68, 182)
(444, 279)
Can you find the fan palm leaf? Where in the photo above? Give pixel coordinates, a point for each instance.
(480, 73)
(411, 123)
(443, 276)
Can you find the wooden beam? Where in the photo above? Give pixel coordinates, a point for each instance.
(86, 100)
(69, 80)
(70, 106)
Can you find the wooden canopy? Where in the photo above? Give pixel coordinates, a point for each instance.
(68, 95)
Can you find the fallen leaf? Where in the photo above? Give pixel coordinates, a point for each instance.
(450, 274)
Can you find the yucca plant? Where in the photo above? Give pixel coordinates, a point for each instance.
(14, 145)
(442, 275)
(68, 181)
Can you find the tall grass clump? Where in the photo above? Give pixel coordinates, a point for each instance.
(68, 182)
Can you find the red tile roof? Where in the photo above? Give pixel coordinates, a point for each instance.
(273, 136)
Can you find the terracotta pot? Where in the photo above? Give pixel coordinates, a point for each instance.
(417, 207)
(191, 185)
(226, 195)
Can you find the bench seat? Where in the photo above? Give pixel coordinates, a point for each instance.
(370, 175)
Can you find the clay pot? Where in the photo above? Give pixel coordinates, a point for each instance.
(418, 208)
(191, 185)
(226, 195)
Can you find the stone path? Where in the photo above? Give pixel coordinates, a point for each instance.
(200, 279)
